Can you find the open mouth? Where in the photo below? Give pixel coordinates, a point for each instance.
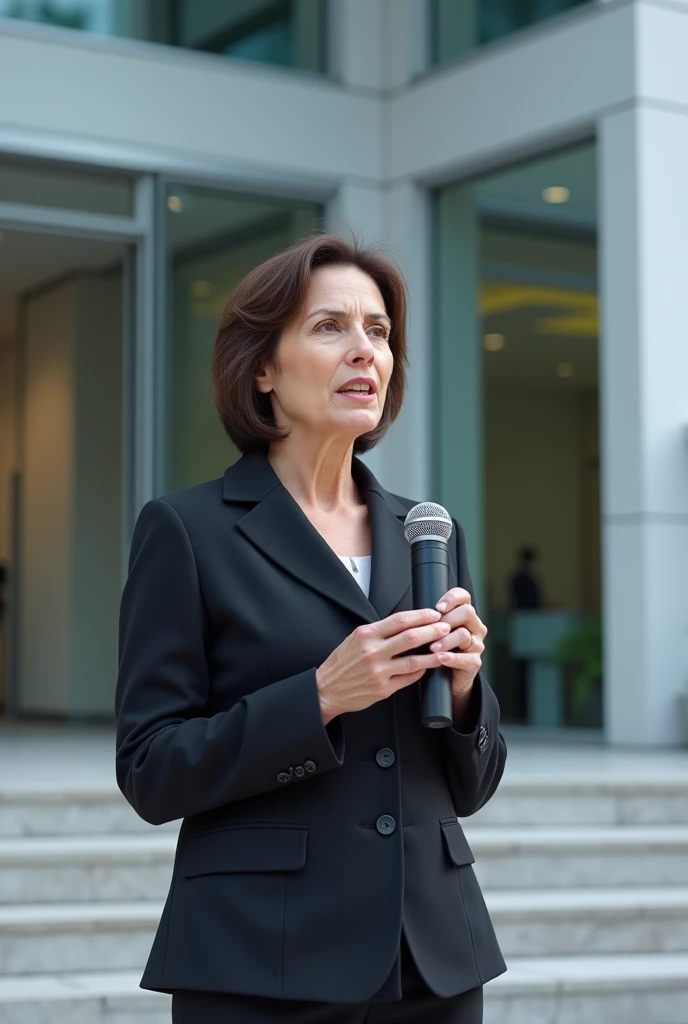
(359, 388)
(357, 396)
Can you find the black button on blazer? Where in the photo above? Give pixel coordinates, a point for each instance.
(284, 882)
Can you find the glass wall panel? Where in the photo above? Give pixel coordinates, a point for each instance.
(213, 241)
(65, 188)
(517, 383)
(458, 26)
(287, 32)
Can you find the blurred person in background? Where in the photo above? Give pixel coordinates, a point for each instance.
(524, 588)
(268, 651)
(524, 594)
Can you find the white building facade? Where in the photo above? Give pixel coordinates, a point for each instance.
(138, 182)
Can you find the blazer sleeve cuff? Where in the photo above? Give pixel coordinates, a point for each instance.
(284, 727)
(480, 721)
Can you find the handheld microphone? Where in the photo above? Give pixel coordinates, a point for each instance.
(427, 528)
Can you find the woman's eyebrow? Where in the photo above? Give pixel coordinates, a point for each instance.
(327, 312)
(343, 313)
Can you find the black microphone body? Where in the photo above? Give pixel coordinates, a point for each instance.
(430, 581)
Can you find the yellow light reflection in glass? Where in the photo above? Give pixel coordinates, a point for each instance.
(494, 342)
(571, 312)
(556, 194)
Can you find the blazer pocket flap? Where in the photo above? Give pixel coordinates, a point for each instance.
(247, 848)
(456, 843)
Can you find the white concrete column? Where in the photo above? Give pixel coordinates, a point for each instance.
(355, 30)
(358, 208)
(644, 396)
(406, 450)
(378, 44)
(405, 49)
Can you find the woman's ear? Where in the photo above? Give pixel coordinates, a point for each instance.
(261, 379)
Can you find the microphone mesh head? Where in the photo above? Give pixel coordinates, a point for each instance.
(428, 519)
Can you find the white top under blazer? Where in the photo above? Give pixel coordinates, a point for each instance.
(359, 566)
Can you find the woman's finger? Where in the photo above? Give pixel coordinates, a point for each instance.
(469, 663)
(453, 597)
(416, 638)
(398, 622)
(462, 639)
(465, 615)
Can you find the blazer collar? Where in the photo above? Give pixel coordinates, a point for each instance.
(278, 526)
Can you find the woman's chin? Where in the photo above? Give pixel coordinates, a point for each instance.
(359, 421)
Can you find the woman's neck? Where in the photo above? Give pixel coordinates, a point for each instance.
(318, 480)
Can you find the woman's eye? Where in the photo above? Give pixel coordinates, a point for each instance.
(327, 326)
(379, 332)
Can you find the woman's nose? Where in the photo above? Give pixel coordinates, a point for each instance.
(361, 338)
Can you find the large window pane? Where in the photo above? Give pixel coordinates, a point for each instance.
(287, 32)
(459, 26)
(517, 379)
(214, 239)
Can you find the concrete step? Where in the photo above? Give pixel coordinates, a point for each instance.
(629, 989)
(554, 858)
(585, 921)
(104, 868)
(86, 868)
(57, 938)
(584, 800)
(43, 809)
(110, 997)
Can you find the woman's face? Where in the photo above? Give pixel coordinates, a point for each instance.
(342, 332)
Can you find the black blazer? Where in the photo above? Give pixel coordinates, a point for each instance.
(304, 848)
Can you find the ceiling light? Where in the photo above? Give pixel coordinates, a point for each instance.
(201, 289)
(564, 370)
(556, 194)
(174, 204)
(494, 342)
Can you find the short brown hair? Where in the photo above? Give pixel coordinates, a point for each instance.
(261, 307)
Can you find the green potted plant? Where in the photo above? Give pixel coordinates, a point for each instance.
(581, 648)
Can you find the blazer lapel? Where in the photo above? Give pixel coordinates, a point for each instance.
(277, 526)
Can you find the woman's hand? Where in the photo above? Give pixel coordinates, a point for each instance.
(462, 647)
(370, 663)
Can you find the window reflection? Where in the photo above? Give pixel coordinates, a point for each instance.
(458, 27)
(285, 32)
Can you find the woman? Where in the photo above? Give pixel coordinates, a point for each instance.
(265, 692)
